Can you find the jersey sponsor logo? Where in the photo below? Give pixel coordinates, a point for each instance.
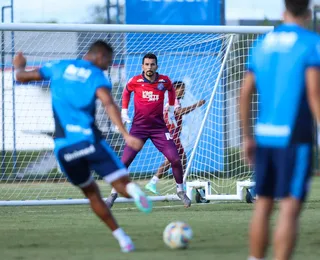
(150, 96)
(161, 81)
(78, 129)
(80, 153)
(140, 80)
(160, 87)
(279, 41)
(74, 73)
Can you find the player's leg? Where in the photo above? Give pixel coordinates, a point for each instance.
(294, 164)
(78, 172)
(161, 138)
(127, 158)
(152, 184)
(100, 208)
(259, 225)
(107, 165)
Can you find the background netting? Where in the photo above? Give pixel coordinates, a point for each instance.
(28, 168)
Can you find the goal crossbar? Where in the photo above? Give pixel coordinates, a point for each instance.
(134, 28)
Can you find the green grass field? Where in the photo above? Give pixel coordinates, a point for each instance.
(73, 232)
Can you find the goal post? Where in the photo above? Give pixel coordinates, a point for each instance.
(210, 60)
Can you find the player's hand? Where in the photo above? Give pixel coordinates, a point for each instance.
(133, 142)
(249, 148)
(201, 103)
(19, 61)
(171, 116)
(124, 116)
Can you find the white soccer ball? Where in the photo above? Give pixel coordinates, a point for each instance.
(177, 235)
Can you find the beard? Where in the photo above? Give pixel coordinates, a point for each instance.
(149, 73)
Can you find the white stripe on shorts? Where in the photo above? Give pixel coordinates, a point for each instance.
(116, 175)
(86, 183)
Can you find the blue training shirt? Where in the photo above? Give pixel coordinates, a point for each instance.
(73, 87)
(279, 62)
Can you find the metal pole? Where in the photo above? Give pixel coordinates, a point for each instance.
(217, 84)
(108, 11)
(222, 12)
(118, 12)
(315, 21)
(3, 162)
(13, 96)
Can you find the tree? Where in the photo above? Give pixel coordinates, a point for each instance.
(103, 15)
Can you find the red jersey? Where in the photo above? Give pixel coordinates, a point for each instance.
(171, 127)
(148, 99)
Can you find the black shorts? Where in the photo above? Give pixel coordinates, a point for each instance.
(77, 161)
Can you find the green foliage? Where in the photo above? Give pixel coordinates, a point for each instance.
(98, 14)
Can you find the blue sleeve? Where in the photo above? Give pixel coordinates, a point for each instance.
(101, 81)
(313, 59)
(251, 64)
(46, 71)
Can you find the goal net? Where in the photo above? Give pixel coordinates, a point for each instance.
(211, 64)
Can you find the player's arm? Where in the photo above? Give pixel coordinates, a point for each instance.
(187, 110)
(313, 91)
(126, 95)
(111, 108)
(19, 63)
(247, 90)
(171, 101)
(312, 77)
(114, 113)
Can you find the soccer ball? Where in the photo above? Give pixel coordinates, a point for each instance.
(177, 235)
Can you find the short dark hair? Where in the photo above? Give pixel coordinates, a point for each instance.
(99, 46)
(150, 56)
(178, 84)
(297, 7)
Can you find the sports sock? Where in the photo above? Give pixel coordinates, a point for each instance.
(154, 180)
(179, 187)
(254, 258)
(132, 189)
(114, 190)
(119, 234)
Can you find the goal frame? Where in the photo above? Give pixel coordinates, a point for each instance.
(205, 185)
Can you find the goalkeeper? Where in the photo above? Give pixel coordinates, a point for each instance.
(175, 131)
(149, 92)
(79, 146)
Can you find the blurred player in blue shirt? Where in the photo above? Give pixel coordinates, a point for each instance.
(79, 146)
(284, 70)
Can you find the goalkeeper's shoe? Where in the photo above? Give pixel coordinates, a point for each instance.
(151, 187)
(111, 199)
(126, 245)
(184, 198)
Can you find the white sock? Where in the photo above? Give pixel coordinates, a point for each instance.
(254, 258)
(154, 180)
(119, 234)
(114, 190)
(132, 189)
(179, 187)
